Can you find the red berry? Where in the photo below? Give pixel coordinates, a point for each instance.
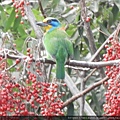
(17, 16)
(28, 49)
(28, 3)
(17, 61)
(87, 19)
(21, 22)
(71, 7)
(16, 10)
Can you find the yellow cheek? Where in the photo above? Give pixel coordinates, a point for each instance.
(47, 28)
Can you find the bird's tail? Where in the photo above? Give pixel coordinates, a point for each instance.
(60, 70)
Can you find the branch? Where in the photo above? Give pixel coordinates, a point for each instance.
(102, 46)
(74, 90)
(32, 21)
(41, 9)
(93, 64)
(89, 34)
(70, 63)
(73, 98)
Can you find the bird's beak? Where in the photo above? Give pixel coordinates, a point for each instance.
(42, 24)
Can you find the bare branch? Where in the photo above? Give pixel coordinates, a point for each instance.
(74, 90)
(70, 63)
(87, 27)
(102, 46)
(73, 98)
(41, 8)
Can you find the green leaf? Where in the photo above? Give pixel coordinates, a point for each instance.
(104, 29)
(70, 109)
(95, 100)
(9, 61)
(115, 11)
(55, 3)
(10, 20)
(77, 41)
(117, 2)
(22, 32)
(95, 6)
(86, 40)
(16, 23)
(45, 3)
(19, 43)
(1, 8)
(71, 30)
(111, 18)
(3, 16)
(76, 53)
(101, 38)
(37, 15)
(80, 30)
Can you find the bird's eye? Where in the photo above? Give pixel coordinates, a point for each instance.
(49, 21)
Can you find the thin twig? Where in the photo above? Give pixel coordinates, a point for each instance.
(74, 90)
(88, 30)
(89, 75)
(70, 63)
(91, 40)
(41, 8)
(102, 46)
(73, 98)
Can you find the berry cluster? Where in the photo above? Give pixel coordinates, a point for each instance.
(18, 99)
(19, 8)
(112, 95)
(23, 98)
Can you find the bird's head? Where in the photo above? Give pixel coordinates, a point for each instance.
(49, 24)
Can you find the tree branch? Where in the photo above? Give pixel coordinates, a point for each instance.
(70, 63)
(32, 21)
(74, 90)
(73, 98)
(41, 9)
(89, 34)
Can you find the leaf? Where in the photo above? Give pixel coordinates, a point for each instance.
(37, 14)
(71, 30)
(70, 109)
(45, 3)
(104, 29)
(77, 41)
(1, 8)
(95, 100)
(101, 38)
(10, 20)
(80, 30)
(19, 43)
(76, 53)
(111, 18)
(86, 40)
(22, 32)
(55, 3)
(3, 16)
(16, 23)
(95, 6)
(115, 11)
(117, 2)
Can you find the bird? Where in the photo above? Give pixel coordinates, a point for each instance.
(57, 44)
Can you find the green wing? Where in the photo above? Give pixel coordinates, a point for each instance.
(56, 38)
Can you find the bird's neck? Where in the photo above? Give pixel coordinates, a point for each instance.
(53, 28)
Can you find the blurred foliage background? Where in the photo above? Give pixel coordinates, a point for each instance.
(104, 17)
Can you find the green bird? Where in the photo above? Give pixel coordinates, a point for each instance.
(57, 44)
